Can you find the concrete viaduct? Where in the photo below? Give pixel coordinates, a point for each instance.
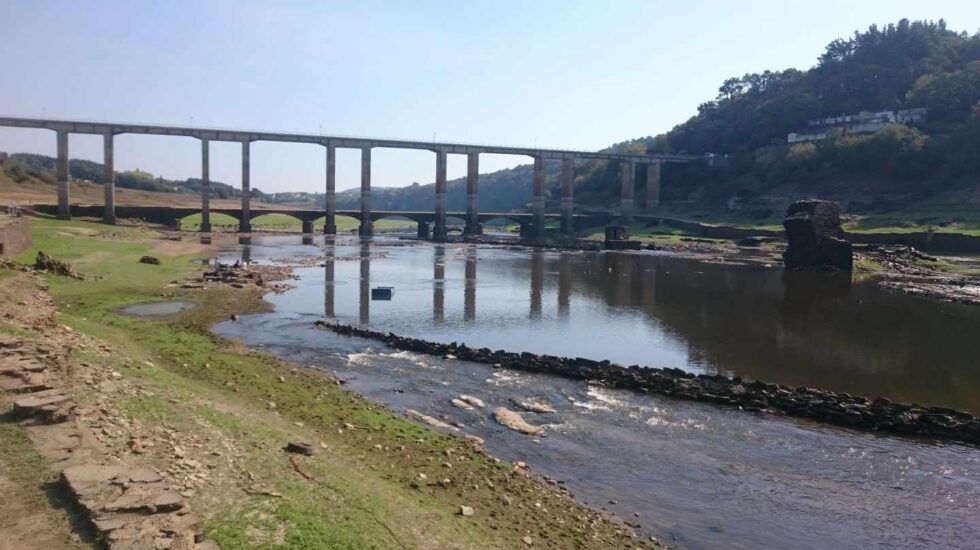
(533, 226)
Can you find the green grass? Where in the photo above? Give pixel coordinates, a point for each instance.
(363, 496)
(29, 492)
(21, 463)
(968, 224)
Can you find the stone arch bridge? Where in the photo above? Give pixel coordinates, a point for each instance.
(171, 216)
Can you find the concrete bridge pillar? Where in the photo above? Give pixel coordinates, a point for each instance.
(473, 226)
(653, 186)
(626, 169)
(205, 186)
(245, 225)
(308, 227)
(64, 177)
(439, 285)
(108, 181)
(564, 285)
(364, 300)
(367, 228)
(537, 283)
(330, 222)
(537, 201)
(567, 196)
(423, 232)
(328, 281)
(469, 286)
(440, 233)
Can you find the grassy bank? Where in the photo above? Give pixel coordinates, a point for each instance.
(376, 481)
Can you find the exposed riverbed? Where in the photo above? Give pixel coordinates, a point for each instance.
(698, 475)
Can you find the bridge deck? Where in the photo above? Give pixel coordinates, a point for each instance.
(215, 134)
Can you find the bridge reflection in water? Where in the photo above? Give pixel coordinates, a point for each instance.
(797, 329)
(471, 261)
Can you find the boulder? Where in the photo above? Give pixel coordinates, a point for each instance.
(816, 240)
(299, 448)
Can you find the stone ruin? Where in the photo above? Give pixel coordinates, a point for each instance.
(816, 240)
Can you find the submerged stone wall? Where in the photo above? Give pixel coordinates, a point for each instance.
(842, 409)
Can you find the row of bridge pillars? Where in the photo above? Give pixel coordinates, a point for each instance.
(636, 284)
(536, 291)
(439, 231)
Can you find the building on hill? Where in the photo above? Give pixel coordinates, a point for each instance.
(864, 122)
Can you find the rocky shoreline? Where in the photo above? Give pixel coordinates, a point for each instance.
(838, 408)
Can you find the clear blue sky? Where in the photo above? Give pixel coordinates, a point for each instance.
(556, 73)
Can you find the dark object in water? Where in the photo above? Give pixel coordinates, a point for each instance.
(815, 237)
(382, 293)
(617, 238)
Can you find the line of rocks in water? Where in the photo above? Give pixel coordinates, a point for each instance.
(842, 409)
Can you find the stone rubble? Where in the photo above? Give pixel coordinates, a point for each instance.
(839, 408)
(48, 264)
(97, 452)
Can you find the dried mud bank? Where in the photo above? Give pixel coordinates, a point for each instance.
(838, 408)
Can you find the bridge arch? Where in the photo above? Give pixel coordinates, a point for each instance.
(392, 221)
(275, 221)
(219, 220)
(344, 223)
(501, 221)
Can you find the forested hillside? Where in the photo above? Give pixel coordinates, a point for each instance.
(22, 167)
(904, 65)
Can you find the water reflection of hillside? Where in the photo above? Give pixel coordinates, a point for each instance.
(806, 329)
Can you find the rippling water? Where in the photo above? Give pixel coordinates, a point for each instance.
(698, 475)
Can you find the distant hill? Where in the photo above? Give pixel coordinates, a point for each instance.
(22, 167)
(935, 161)
(905, 65)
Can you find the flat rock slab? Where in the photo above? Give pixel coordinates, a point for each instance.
(22, 375)
(51, 406)
(460, 404)
(133, 507)
(430, 420)
(473, 401)
(515, 421)
(533, 406)
(7, 341)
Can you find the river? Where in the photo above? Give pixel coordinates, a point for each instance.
(693, 474)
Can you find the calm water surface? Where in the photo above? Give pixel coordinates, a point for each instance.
(700, 476)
